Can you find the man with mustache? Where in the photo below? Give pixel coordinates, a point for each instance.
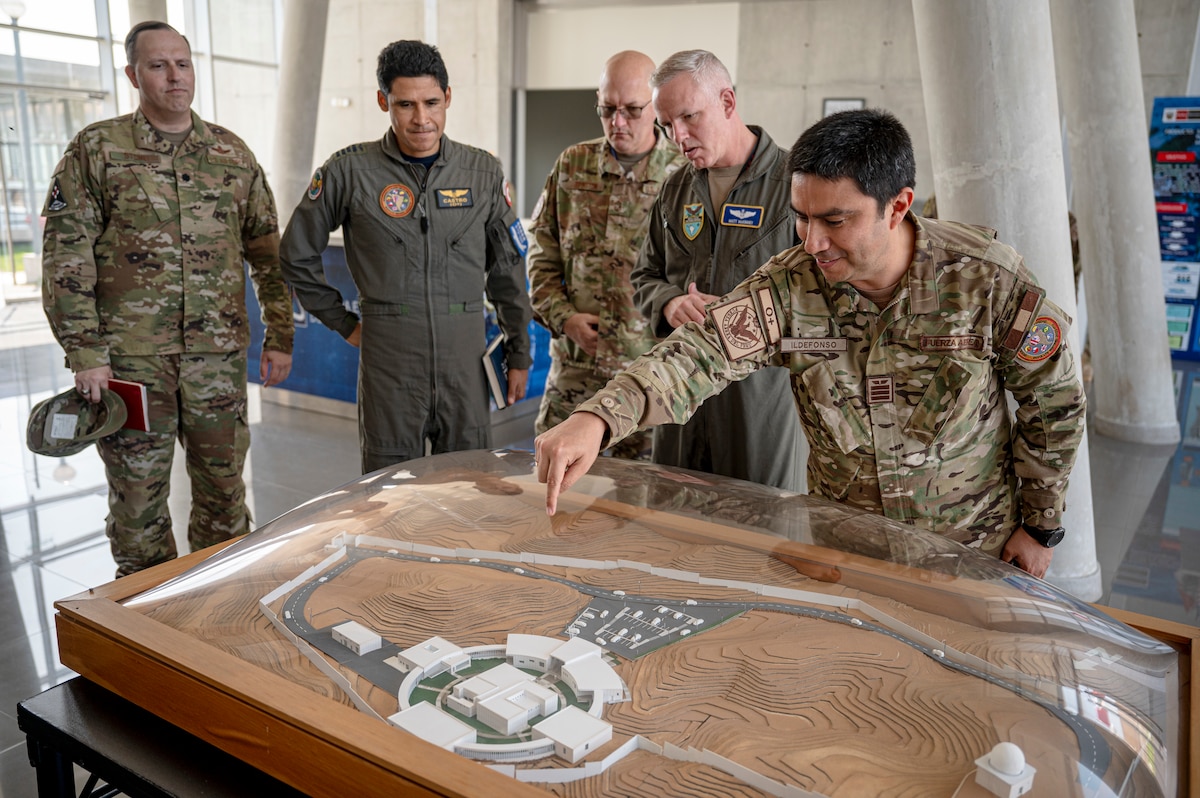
(429, 229)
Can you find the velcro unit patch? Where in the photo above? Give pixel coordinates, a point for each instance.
(455, 198)
(950, 343)
(770, 316)
(1042, 340)
(1016, 334)
(880, 390)
(739, 327)
(825, 344)
(742, 215)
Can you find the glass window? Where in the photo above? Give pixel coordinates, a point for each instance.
(64, 16)
(49, 60)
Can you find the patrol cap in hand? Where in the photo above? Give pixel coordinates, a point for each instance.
(68, 423)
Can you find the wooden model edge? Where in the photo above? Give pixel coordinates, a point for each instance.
(1186, 640)
(320, 747)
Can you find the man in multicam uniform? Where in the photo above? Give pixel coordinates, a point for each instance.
(429, 228)
(149, 220)
(902, 337)
(715, 222)
(588, 227)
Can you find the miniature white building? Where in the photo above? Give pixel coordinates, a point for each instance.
(433, 725)
(531, 651)
(434, 656)
(356, 637)
(574, 733)
(504, 698)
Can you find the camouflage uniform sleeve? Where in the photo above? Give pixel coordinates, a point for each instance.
(547, 273)
(506, 285)
(320, 211)
(74, 213)
(1038, 369)
(667, 384)
(651, 288)
(260, 239)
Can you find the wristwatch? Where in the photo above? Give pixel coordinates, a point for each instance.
(1046, 537)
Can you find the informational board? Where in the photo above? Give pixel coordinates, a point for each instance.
(1175, 161)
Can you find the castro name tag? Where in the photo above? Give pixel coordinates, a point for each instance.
(455, 198)
(815, 344)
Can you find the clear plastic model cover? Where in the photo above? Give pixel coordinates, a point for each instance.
(672, 632)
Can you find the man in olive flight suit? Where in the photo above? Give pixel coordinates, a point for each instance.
(715, 222)
(429, 228)
(149, 219)
(588, 227)
(903, 338)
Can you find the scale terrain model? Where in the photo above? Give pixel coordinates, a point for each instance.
(671, 633)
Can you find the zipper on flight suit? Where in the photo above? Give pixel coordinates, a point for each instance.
(423, 209)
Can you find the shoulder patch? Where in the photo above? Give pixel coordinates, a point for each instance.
(693, 219)
(54, 200)
(1042, 340)
(739, 327)
(517, 233)
(507, 194)
(316, 185)
(537, 209)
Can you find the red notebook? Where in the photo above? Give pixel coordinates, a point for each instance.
(136, 404)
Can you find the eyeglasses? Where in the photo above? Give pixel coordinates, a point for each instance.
(627, 111)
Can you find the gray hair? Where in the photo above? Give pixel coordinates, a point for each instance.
(701, 65)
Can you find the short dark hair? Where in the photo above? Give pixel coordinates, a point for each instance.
(868, 146)
(410, 59)
(140, 28)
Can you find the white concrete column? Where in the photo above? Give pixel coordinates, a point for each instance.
(991, 104)
(1100, 77)
(146, 10)
(300, 60)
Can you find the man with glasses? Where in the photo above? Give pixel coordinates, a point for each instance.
(715, 222)
(588, 226)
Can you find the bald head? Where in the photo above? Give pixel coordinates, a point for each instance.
(624, 94)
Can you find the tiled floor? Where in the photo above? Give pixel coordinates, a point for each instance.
(52, 544)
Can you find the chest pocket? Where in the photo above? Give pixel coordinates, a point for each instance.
(137, 190)
(841, 425)
(940, 400)
(587, 214)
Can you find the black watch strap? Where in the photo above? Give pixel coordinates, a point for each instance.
(1047, 537)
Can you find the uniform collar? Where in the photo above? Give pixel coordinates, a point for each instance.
(145, 137)
(662, 153)
(922, 272)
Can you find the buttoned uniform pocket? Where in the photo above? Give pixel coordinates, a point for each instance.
(834, 428)
(943, 414)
